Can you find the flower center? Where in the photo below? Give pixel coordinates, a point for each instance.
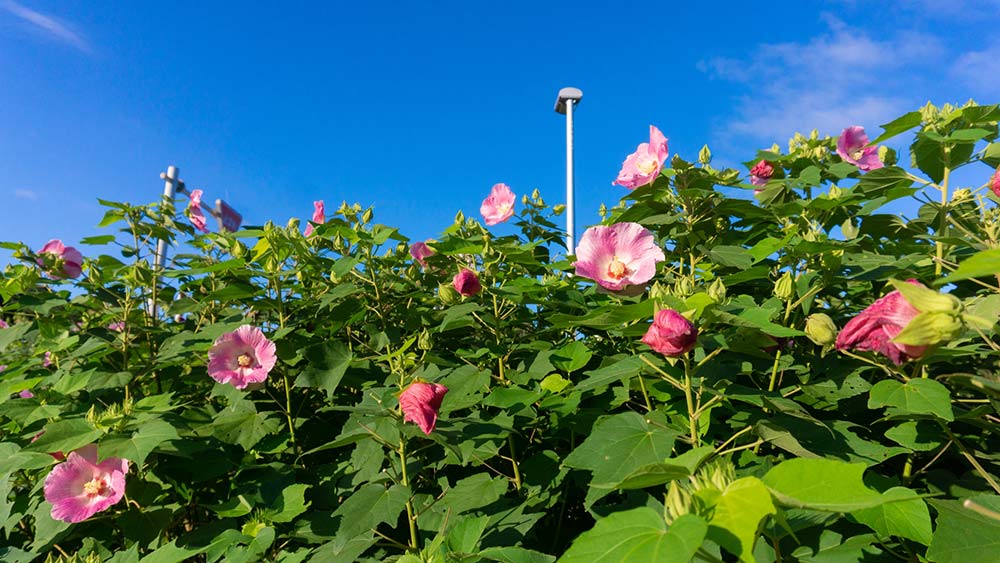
(856, 155)
(95, 487)
(244, 360)
(617, 269)
(647, 166)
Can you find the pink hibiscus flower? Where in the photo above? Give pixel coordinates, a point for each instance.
(420, 403)
(241, 357)
(874, 328)
(466, 283)
(66, 260)
(3, 324)
(618, 256)
(760, 174)
(498, 206)
(81, 487)
(319, 216)
(420, 252)
(853, 147)
(118, 326)
(995, 182)
(47, 359)
(671, 334)
(24, 394)
(644, 165)
(194, 211)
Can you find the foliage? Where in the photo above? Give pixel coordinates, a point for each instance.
(561, 435)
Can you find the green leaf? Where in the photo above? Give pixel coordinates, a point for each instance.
(290, 504)
(618, 445)
(234, 507)
(326, 364)
(964, 535)
(621, 370)
(899, 125)
(653, 474)
(137, 445)
(464, 536)
(65, 436)
(186, 547)
(737, 515)
(928, 156)
(639, 535)
(571, 357)
(904, 514)
(515, 555)
(733, 256)
(554, 383)
(981, 264)
(369, 506)
(821, 484)
(242, 427)
(607, 317)
(991, 154)
(916, 396)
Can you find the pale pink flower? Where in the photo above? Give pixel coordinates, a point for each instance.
(319, 216)
(81, 486)
(761, 173)
(118, 326)
(420, 252)
(874, 328)
(644, 165)
(498, 206)
(618, 256)
(420, 403)
(466, 283)
(853, 147)
(671, 334)
(25, 394)
(66, 260)
(995, 182)
(241, 357)
(47, 359)
(194, 211)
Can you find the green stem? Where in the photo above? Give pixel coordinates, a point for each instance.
(939, 263)
(513, 462)
(645, 395)
(692, 415)
(288, 412)
(409, 503)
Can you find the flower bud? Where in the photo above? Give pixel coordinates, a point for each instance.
(835, 192)
(927, 329)
(447, 294)
(821, 329)
(425, 341)
(784, 288)
(717, 290)
(705, 155)
(657, 291)
(467, 283)
(671, 334)
(683, 287)
(849, 230)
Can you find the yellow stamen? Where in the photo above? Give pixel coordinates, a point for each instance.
(244, 360)
(617, 269)
(94, 487)
(647, 166)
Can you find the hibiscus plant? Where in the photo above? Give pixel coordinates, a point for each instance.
(792, 361)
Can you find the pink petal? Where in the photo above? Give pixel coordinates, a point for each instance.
(420, 403)
(498, 206)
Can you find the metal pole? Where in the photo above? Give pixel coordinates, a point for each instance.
(169, 190)
(570, 226)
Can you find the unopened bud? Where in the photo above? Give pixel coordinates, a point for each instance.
(448, 295)
(459, 218)
(717, 290)
(821, 329)
(927, 329)
(848, 228)
(657, 291)
(927, 300)
(425, 341)
(683, 287)
(535, 194)
(705, 155)
(367, 215)
(836, 192)
(784, 288)
(293, 224)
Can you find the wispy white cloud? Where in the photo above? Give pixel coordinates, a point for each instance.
(841, 78)
(48, 25)
(25, 194)
(979, 71)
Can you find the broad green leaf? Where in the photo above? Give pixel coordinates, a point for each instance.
(515, 555)
(737, 515)
(916, 396)
(289, 504)
(607, 317)
(904, 514)
(326, 364)
(369, 506)
(898, 125)
(653, 474)
(136, 445)
(65, 436)
(571, 357)
(639, 535)
(243, 428)
(464, 536)
(621, 370)
(981, 264)
(234, 507)
(618, 445)
(964, 535)
(733, 256)
(186, 547)
(821, 484)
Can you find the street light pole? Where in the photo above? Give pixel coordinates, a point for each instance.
(568, 97)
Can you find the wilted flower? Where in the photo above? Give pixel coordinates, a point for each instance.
(194, 211)
(875, 327)
(761, 173)
(241, 357)
(644, 165)
(81, 487)
(319, 216)
(618, 256)
(420, 252)
(67, 260)
(671, 334)
(420, 403)
(995, 182)
(498, 206)
(467, 283)
(853, 147)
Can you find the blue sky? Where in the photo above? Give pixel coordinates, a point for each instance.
(419, 108)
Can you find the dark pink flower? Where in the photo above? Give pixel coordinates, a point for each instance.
(319, 216)
(467, 283)
(194, 211)
(420, 252)
(66, 260)
(25, 394)
(618, 256)
(761, 173)
(874, 328)
(644, 165)
(671, 334)
(498, 206)
(420, 403)
(995, 182)
(81, 486)
(853, 147)
(118, 326)
(241, 357)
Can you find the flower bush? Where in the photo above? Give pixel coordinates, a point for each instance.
(713, 375)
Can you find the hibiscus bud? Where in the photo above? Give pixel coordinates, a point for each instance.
(425, 341)
(467, 283)
(784, 288)
(447, 294)
(603, 210)
(671, 334)
(821, 329)
(849, 230)
(960, 195)
(657, 291)
(683, 287)
(705, 155)
(836, 192)
(459, 218)
(293, 224)
(717, 290)
(558, 209)
(535, 194)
